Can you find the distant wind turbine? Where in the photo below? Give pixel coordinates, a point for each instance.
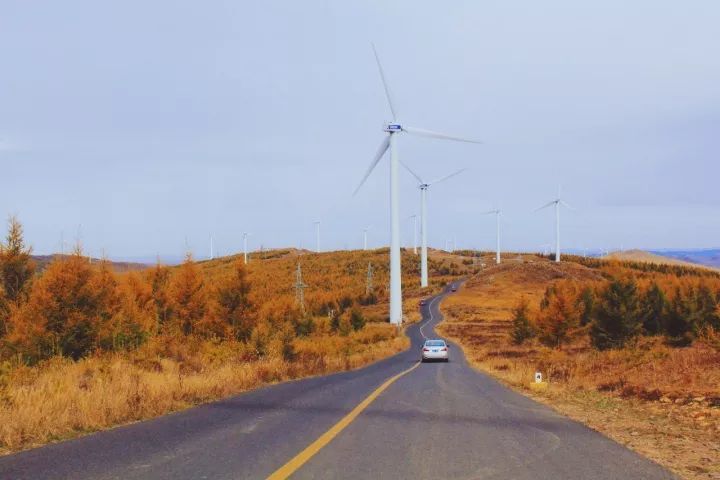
(393, 130)
(497, 213)
(245, 250)
(423, 219)
(365, 237)
(212, 251)
(557, 203)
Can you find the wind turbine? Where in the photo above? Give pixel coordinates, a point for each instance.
(423, 220)
(245, 251)
(497, 213)
(393, 130)
(317, 236)
(365, 232)
(212, 251)
(557, 203)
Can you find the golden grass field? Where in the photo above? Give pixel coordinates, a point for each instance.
(660, 401)
(66, 398)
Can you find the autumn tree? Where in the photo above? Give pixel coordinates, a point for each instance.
(159, 278)
(587, 303)
(188, 296)
(234, 305)
(16, 266)
(60, 316)
(560, 315)
(617, 316)
(522, 329)
(4, 312)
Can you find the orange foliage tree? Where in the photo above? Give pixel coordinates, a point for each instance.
(559, 314)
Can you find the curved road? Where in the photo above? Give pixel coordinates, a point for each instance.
(439, 420)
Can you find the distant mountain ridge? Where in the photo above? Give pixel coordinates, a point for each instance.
(708, 257)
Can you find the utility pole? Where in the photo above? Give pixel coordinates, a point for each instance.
(300, 288)
(369, 281)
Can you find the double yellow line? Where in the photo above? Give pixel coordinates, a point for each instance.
(301, 458)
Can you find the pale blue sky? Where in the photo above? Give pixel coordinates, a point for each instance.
(151, 122)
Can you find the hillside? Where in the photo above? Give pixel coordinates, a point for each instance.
(42, 261)
(658, 393)
(648, 257)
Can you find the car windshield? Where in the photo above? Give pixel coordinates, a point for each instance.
(435, 343)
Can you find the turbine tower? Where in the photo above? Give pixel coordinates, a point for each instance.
(317, 236)
(414, 217)
(212, 252)
(245, 251)
(557, 203)
(393, 130)
(497, 213)
(423, 220)
(365, 232)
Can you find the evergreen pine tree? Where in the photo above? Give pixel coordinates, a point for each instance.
(653, 306)
(16, 266)
(617, 316)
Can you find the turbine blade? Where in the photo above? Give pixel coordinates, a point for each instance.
(381, 151)
(545, 206)
(442, 179)
(429, 133)
(565, 204)
(385, 85)
(488, 212)
(411, 172)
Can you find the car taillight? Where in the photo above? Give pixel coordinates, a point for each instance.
(426, 349)
(444, 349)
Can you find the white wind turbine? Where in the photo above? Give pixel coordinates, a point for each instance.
(423, 220)
(393, 130)
(365, 236)
(497, 212)
(557, 202)
(245, 250)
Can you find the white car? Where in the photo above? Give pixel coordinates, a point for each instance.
(435, 350)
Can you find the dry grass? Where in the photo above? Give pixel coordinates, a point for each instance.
(663, 402)
(61, 398)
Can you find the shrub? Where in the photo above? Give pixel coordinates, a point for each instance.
(357, 320)
(522, 328)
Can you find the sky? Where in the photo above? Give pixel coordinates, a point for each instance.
(143, 128)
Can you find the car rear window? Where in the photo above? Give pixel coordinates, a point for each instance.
(435, 343)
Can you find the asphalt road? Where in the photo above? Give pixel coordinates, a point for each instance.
(440, 420)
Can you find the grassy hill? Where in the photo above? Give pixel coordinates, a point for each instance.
(648, 257)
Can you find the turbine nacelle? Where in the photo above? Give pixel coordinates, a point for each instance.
(393, 127)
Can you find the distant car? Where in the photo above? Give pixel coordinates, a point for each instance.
(435, 350)
(422, 302)
(453, 288)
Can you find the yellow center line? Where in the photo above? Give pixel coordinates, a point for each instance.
(301, 458)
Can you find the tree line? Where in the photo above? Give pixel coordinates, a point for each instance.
(73, 308)
(616, 312)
